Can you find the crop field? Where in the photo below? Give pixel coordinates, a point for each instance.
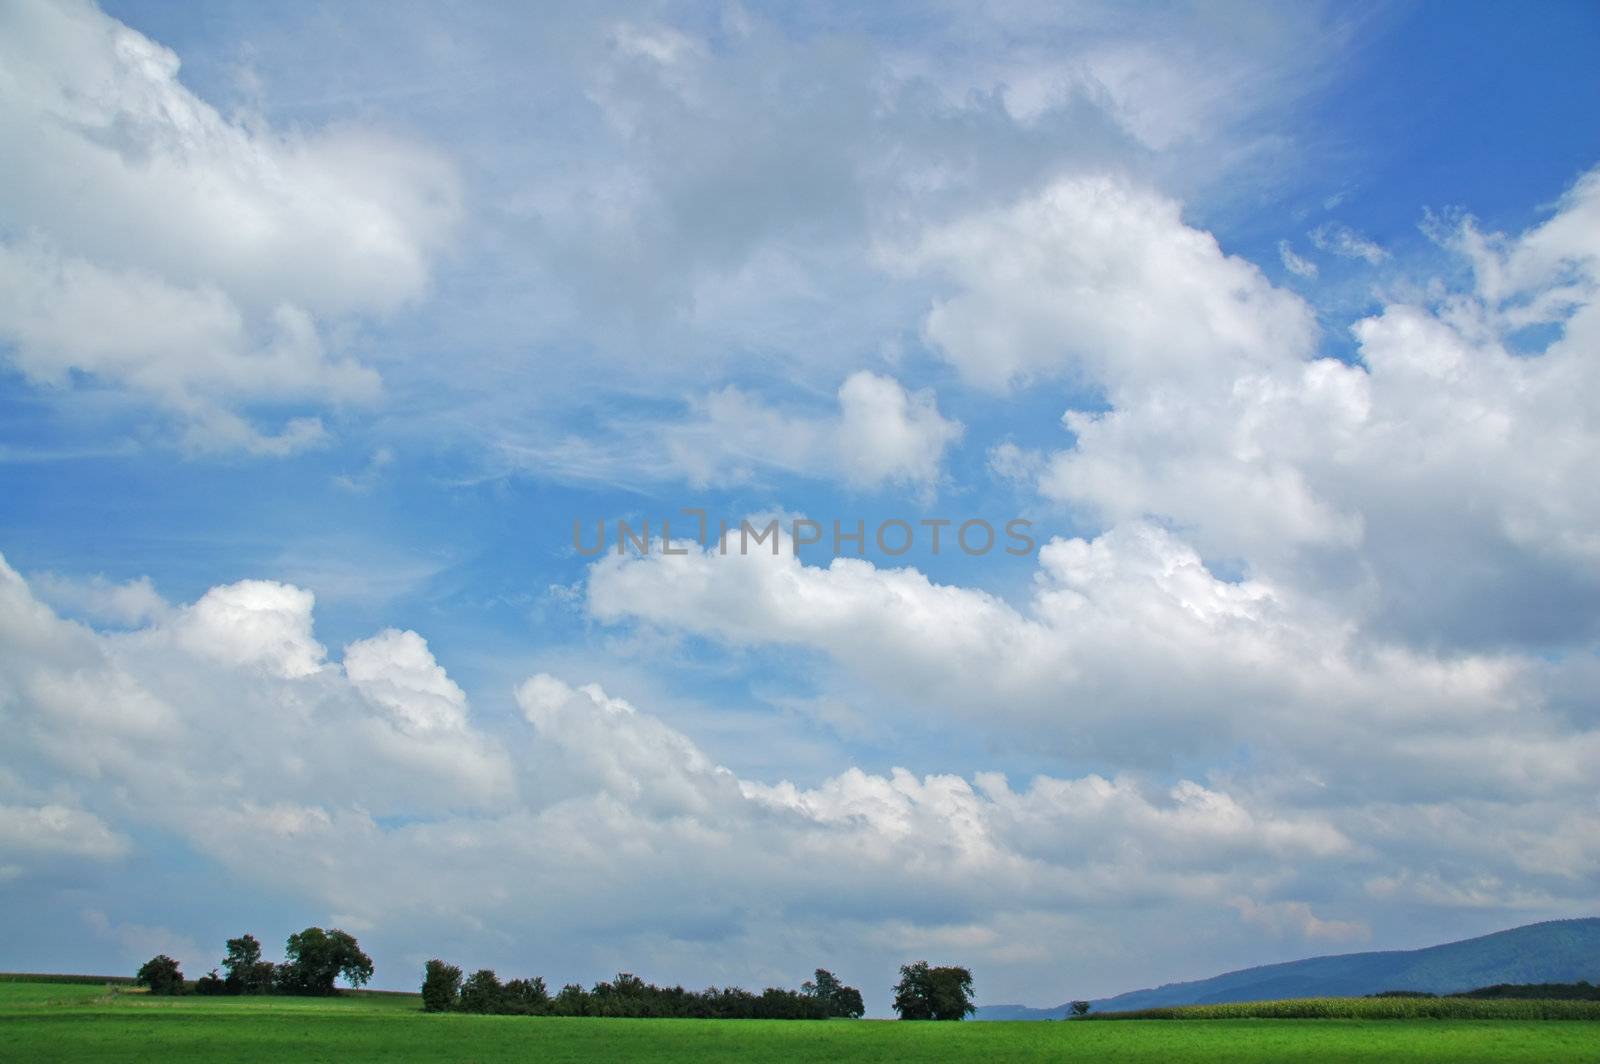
(1384, 1008)
(49, 1022)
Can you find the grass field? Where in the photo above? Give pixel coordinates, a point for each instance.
(80, 1023)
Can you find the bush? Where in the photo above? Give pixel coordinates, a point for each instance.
(161, 974)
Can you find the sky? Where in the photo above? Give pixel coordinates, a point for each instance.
(322, 324)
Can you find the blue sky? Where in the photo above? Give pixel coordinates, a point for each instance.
(320, 326)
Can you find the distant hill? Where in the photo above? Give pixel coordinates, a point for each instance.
(1557, 951)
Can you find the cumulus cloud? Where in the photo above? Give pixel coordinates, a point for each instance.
(229, 699)
(195, 273)
(1415, 486)
(131, 603)
(396, 670)
(882, 434)
(1129, 647)
(1098, 280)
(587, 798)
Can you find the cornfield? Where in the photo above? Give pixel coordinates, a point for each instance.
(1387, 1008)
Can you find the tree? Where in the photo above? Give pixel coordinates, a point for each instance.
(161, 974)
(441, 986)
(848, 1005)
(573, 1000)
(1080, 1008)
(926, 993)
(481, 992)
(314, 958)
(247, 972)
(526, 997)
(837, 1000)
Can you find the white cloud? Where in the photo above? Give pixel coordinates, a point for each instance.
(283, 774)
(1336, 238)
(374, 793)
(882, 435)
(397, 671)
(1297, 917)
(1296, 264)
(1415, 488)
(1129, 647)
(54, 831)
(887, 434)
(132, 603)
(194, 272)
(1099, 281)
(253, 623)
(1014, 464)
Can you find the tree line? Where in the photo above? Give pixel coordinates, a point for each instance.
(312, 960)
(627, 996)
(315, 958)
(924, 992)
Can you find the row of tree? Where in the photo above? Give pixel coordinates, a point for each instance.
(923, 993)
(315, 958)
(312, 960)
(445, 990)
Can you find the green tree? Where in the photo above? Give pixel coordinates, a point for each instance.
(161, 974)
(314, 958)
(836, 999)
(482, 992)
(247, 972)
(848, 1005)
(526, 996)
(927, 993)
(441, 986)
(573, 1000)
(1080, 1008)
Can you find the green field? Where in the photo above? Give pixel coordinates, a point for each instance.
(63, 1022)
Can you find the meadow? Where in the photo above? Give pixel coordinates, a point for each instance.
(61, 1022)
